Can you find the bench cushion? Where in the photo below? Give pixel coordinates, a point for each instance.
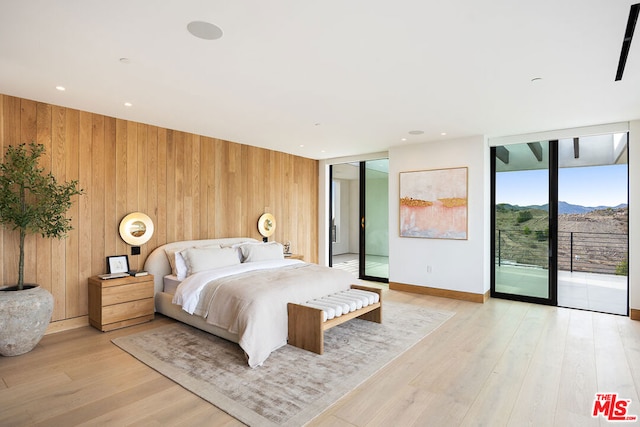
(335, 305)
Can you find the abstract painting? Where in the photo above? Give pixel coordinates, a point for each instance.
(433, 204)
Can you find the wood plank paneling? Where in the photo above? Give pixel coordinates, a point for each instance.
(193, 187)
(110, 193)
(28, 134)
(83, 245)
(64, 129)
(43, 246)
(11, 132)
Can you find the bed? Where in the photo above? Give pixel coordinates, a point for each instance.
(242, 299)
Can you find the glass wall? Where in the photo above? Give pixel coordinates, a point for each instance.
(593, 223)
(522, 221)
(376, 220)
(360, 218)
(560, 222)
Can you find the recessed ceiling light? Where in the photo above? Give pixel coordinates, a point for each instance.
(204, 30)
(128, 104)
(536, 79)
(416, 132)
(125, 60)
(403, 139)
(301, 145)
(443, 133)
(61, 88)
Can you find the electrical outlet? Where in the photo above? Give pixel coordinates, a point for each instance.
(428, 269)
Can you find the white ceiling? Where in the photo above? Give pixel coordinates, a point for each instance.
(341, 77)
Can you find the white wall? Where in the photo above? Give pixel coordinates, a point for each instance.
(634, 214)
(460, 265)
(465, 265)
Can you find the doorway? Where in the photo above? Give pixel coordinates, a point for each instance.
(359, 212)
(560, 222)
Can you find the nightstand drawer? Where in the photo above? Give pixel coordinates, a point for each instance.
(127, 310)
(118, 303)
(124, 293)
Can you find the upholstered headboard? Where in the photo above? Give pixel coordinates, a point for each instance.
(157, 262)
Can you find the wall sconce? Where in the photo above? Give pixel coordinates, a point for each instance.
(136, 229)
(266, 226)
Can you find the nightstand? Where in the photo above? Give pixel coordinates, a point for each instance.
(294, 256)
(117, 303)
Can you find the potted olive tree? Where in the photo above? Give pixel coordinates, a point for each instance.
(31, 201)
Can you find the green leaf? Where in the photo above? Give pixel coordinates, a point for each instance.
(32, 201)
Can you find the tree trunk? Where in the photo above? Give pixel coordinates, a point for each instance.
(21, 262)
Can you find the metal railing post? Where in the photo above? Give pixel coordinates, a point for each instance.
(571, 251)
(499, 248)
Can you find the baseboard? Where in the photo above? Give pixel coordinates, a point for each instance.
(436, 292)
(65, 325)
(634, 314)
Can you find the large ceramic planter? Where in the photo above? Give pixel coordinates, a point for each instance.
(24, 317)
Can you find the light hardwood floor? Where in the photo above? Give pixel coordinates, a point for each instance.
(493, 364)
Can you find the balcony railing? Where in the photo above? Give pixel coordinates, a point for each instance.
(604, 253)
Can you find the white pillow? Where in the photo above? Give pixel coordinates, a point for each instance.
(262, 252)
(200, 259)
(178, 264)
(236, 247)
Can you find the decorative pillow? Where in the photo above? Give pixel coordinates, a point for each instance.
(236, 247)
(200, 259)
(178, 264)
(262, 252)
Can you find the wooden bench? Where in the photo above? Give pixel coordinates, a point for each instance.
(307, 324)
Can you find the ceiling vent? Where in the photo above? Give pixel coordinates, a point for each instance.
(628, 35)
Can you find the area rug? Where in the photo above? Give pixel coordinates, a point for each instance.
(293, 386)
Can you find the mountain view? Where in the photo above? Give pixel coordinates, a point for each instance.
(566, 208)
(590, 239)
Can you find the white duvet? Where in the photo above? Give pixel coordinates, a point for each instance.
(251, 299)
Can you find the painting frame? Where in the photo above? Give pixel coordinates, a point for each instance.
(434, 203)
(117, 264)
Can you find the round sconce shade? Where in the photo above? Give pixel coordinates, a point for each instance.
(136, 228)
(266, 225)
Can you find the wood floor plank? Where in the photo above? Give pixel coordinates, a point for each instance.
(537, 397)
(404, 409)
(614, 374)
(629, 332)
(498, 363)
(578, 373)
(47, 403)
(496, 400)
(114, 409)
(173, 406)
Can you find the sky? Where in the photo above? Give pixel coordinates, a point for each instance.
(585, 186)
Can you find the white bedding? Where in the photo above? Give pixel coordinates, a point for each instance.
(250, 299)
(171, 283)
(188, 293)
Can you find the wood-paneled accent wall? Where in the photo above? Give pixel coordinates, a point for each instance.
(192, 187)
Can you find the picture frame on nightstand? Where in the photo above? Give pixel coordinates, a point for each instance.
(118, 264)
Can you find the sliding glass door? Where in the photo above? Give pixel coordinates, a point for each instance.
(560, 222)
(593, 223)
(345, 217)
(374, 222)
(359, 212)
(523, 243)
